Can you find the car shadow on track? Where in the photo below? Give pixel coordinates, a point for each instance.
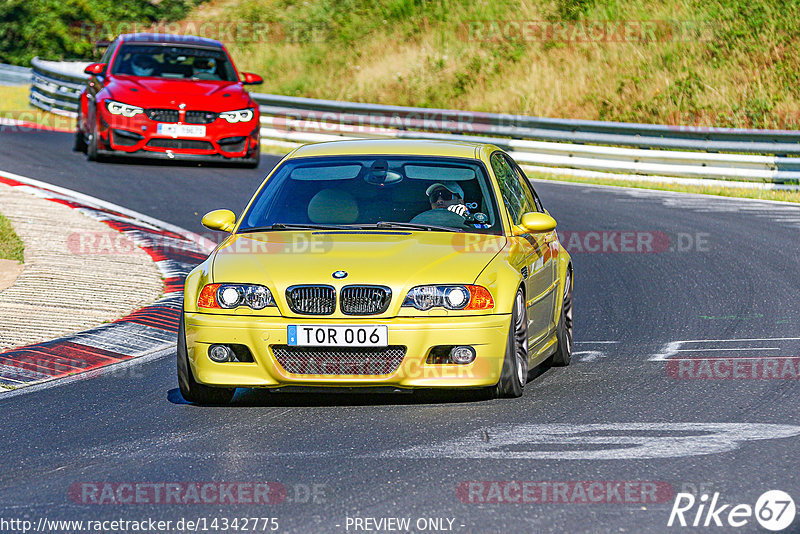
(158, 162)
(285, 397)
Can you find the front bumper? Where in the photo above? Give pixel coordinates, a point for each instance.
(487, 334)
(138, 136)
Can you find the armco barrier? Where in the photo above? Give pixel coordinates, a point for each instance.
(596, 146)
(13, 75)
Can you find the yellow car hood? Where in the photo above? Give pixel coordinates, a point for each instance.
(398, 259)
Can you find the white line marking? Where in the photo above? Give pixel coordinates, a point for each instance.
(742, 339)
(589, 355)
(701, 349)
(674, 347)
(607, 441)
(593, 342)
(736, 358)
(670, 349)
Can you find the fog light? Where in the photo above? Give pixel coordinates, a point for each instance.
(220, 353)
(462, 354)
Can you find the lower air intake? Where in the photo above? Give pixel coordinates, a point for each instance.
(330, 361)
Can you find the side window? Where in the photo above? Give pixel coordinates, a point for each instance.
(532, 198)
(509, 186)
(107, 54)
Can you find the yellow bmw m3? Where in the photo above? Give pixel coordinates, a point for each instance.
(387, 264)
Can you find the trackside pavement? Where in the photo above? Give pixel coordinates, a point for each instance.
(98, 286)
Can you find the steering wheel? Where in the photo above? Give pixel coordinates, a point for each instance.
(440, 217)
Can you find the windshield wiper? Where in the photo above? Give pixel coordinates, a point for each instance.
(411, 226)
(289, 226)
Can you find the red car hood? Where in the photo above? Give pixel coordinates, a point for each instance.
(161, 93)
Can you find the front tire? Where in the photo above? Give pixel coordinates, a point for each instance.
(79, 145)
(255, 160)
(563, 354)
(190, 389)
(91, 146)
(515, 363)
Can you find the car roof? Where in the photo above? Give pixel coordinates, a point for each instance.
(166, 38)
(392, 147)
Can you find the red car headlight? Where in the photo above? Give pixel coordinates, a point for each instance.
(239, 115)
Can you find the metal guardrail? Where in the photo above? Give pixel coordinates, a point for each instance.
(540, 143)
(14, 75)
(57, 85)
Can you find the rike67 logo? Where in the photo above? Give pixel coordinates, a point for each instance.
(774, 510)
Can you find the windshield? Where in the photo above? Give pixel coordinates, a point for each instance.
(444, 194)
(176, 62)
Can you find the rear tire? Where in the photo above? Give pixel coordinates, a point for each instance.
(515, 364)
(563, 354)
(190, 389)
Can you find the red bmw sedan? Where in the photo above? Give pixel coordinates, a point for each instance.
(169, 97)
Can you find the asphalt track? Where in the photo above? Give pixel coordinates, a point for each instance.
(724, 286)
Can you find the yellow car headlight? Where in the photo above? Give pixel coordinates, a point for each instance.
(228, 296)
(451, 297)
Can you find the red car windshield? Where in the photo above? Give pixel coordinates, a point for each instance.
(174, 62)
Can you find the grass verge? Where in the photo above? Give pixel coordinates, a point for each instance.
(736, 192)
(11, 247)
(14, 104)
(691, 62)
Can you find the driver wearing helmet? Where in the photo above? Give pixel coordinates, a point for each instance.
(205, 68)
(143, 65)
(450, 196)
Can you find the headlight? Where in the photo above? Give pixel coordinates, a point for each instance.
(227, 296)
(240, 115)
(126, 110)
(451, 297)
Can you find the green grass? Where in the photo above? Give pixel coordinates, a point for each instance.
(762, 194)
(14, 104)
(718, 63)
(11, 247)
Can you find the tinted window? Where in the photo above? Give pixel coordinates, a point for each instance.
(107, 54)
(370, 189)
(180, 62)
(516, 195)
(529, 201)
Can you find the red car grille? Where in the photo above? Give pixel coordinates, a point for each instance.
(339, 360)
(200, 117)
(192, 144)
(162, 115)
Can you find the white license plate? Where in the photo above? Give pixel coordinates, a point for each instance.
(338, 336)
(181, 130)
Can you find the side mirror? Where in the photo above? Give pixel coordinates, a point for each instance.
(251, 79)
(95, 69)
(536, 223)
(224, 220)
